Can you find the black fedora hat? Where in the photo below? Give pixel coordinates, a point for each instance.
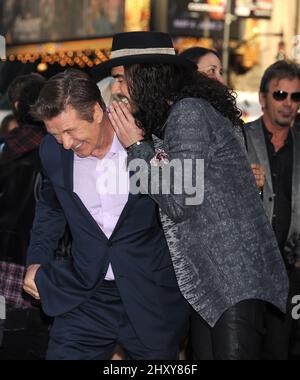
(141, 47)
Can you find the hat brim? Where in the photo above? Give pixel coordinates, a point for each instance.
(103, 70)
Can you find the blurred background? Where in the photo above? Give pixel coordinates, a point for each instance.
(46, 36)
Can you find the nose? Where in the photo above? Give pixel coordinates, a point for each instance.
(116, 88)
(220, 78)
(288, 101)
(66, 141)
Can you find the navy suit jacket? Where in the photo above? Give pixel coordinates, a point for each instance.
(137, 251)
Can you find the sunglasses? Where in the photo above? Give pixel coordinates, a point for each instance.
(280, 96)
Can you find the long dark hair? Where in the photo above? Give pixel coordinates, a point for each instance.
(155, 87)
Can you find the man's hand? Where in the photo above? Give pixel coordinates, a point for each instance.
(260, 175)
(29, 284)
(124, 125)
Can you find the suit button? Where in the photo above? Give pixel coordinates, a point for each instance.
(109, 244)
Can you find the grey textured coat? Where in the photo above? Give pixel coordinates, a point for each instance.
(224, 250)
(258, 154)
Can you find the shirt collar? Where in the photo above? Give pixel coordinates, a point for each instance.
(116, 146)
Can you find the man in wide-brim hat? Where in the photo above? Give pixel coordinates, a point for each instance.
(137, 47)
(223, 248)
(140, 47)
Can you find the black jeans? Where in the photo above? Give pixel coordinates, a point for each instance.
(238, 335)
(25, 335)
(294, 353)
(282, 341)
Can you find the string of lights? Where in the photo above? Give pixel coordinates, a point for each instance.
(80, 58)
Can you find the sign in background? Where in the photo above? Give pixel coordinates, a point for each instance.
(254, 8)
(32, 21)
(2, 308)
(205, 18)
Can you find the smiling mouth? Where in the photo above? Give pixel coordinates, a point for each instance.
(125, 101)
(120, 98)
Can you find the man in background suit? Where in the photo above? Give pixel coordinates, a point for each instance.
(275, 144)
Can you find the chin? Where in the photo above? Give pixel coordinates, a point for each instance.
(284, 124)
(82, 154)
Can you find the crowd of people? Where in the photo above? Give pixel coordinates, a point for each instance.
(154, 224)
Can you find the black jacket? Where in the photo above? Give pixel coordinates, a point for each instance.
(20, 182)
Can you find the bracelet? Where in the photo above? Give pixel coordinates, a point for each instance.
(138, 143)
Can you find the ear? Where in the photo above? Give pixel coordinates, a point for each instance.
(98, 113)
(263, 100)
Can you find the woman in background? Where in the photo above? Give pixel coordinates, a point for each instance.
(209, 63)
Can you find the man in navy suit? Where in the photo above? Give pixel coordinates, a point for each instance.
(119, 285)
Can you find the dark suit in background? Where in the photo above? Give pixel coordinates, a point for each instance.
(280, 332)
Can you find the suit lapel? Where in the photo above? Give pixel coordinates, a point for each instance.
(258, 139)
(158, 144)
(68, 168)
(128, 207)
(295, 223)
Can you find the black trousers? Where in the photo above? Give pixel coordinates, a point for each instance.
(92, 331)
(282, 339)
(238, 335)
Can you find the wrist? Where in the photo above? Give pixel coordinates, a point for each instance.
(137, 143)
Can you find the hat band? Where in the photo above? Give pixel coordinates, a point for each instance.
(132, 52)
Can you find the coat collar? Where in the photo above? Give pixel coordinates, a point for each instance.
(295, 222)
(258, 139)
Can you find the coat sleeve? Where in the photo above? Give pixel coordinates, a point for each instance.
(189, 143)
(48, 227)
